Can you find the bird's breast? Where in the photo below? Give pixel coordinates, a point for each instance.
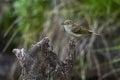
(67, 28)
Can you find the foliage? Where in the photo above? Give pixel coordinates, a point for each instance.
(30, 15)
(99, 8)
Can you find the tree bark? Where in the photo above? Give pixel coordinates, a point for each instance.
(40, 62)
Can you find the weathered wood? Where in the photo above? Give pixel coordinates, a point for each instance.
(42, 63)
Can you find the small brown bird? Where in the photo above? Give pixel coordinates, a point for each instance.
(75, 29)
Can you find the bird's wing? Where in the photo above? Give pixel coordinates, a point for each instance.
(79, 30)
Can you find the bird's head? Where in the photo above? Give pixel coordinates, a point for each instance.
(67, 23)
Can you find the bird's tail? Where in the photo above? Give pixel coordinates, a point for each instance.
(94, 33)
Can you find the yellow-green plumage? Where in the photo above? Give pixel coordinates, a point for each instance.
(79, 30)
(76, 30)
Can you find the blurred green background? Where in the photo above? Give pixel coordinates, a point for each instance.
(23, 21)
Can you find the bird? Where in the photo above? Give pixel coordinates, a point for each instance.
(76, 30)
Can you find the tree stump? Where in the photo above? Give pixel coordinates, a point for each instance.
(40, 62)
